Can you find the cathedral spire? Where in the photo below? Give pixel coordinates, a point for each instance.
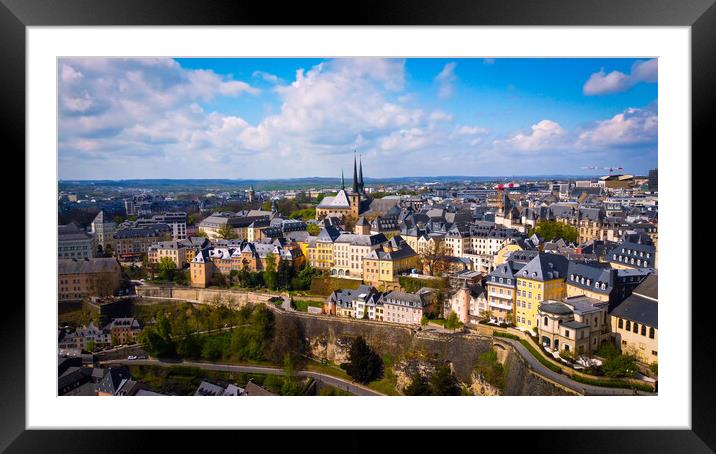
(343, 181)
(360, 174)
(355, 174)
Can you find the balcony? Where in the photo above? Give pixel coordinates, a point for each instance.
(504, 306)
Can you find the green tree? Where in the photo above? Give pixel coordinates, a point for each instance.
(270, 274)
(424, 320)
(419, 386)
(213, 347)
(189, 347)
(288, 339)
(313, 229)
(285, 274)
(620, 366)
(226, 232)
(444, 382)
(452, 322)
(201, 232)
(157, 339)
(90, 346)
(654, 368)
(289, 387)
(364, 364)
(550, 230)
(167, 269)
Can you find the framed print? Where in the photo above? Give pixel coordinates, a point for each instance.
(437, 217)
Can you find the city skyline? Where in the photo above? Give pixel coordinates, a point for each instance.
(288, 118)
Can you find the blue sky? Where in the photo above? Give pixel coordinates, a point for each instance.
(278, 118)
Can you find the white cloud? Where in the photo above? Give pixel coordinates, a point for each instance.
(446, 80)
(122, 107)
(601, 83)
(268, 77)
(327, 107)
(546, 134)
(405, 140)
(631, 127)
(470, 130)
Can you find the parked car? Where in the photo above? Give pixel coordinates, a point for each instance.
(131, 357)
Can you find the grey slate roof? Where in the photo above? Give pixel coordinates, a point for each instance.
(84, 266)
(638, 309)
(545, 267)
(591, 277)
(362, 240)
(112, 379)
(556, 308)
(649, 287)
(573, 324)
(638, 252)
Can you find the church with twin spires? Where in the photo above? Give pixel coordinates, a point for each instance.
(345, 204)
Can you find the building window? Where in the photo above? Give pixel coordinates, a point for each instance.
(628, 325)
(636, 327)
(651, 333)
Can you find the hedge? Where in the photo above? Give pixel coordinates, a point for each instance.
(613, 383)
(507, 335)
(545, 362)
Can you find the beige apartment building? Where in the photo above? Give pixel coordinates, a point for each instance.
(175, 250)
(80, 278)
(634, 322)
(349, 250)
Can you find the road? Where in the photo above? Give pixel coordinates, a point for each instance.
(581, 388)
(336, 382)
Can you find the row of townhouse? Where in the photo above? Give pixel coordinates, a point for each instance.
(367, 303)
(372, 258)
(181, 252)
(243, 225)
(119, 331)
(240, 255)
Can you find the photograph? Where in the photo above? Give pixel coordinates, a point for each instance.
(358, 226)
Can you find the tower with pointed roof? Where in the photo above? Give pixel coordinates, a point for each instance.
(355, 194)
(346, 203)
(360, 175)
(355, 174)
(252, 194)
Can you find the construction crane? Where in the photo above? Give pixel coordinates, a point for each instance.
(500, 187)
(610, 169)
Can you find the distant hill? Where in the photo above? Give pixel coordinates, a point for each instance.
(291, 183)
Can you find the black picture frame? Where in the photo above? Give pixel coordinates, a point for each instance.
(700, 15)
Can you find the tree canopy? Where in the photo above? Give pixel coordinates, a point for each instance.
(550, 230)
(364, 364)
